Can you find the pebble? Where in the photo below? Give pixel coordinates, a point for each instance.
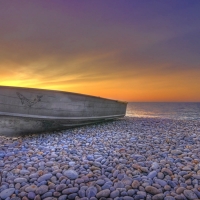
(44, 177)
(190, 194)
(7, 193)
(42, 189)
(91, 192)
(152, 174)
(151, 190)
(158, 197)
(130, 158)
(103, 193)
(70, 190)
(176, 152)
(71, 174)
(114, 194)
(60, 187)
(20, 180)
(135, 184)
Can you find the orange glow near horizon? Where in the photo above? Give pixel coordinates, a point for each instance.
(147, 88)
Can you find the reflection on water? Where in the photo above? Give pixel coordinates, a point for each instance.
(164, 110)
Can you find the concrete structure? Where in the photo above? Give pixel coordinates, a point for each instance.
(26, 110)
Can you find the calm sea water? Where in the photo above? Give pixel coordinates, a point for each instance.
(186, 111)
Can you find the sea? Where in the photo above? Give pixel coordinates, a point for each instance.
(180, 111)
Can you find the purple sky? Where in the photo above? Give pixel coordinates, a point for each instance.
(101, 47)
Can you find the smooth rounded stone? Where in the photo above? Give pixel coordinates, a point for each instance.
(16, 198)
(70, 190)
(97, 164)
(118, 184)
(22, 194)
(160, 182)
(90, 157)
(180, 190)
(7, 193)
(158, 197)
(114, 194)
(167, 171)
(135, 184)
(79, 180)
(127, 181)
(142, 193)
(50, 198)
(169, 198)
(42, 183)
(180, 197)
(144, 169)
(47, 194)
(171, 183)
(71, 174)
(20, 180)
(56, 194)
(196, 177)
(160, 175)
(182, 173)
(24, 172)
(91, 192)
(62, 197)
(100, 182)
(17, 186)
(167, 188)
(31, 195)
(128, 198)
(197, 192)
(138, 197)
(152, 174)
(84, 198)
(71, 164)
(152, 190)
(155, 165)
(103, 193)
(176, 152)
(186, 168)
(45, 177)
(190, 194)
(2, 154)
(81, 193)
(60, 187)
(31, 188)
(124, 193)
(34, 175)
(115, 173)
(131, 192)
(120, 176)
(107, 185)
(94, 198)
(42, 189)
(52, 186)
(72, 196)
(109, 169)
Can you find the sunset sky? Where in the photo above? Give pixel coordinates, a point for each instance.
(129, 50)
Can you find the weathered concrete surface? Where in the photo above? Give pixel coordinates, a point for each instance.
(25, 110)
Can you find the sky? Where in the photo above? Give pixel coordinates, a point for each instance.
(127, 50)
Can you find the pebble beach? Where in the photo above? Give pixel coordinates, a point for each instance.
(127, 159)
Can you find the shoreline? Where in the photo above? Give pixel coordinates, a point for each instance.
(129, 158)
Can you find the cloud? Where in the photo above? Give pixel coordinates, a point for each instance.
(69, 45)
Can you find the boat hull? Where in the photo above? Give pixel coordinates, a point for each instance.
(25, 110)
